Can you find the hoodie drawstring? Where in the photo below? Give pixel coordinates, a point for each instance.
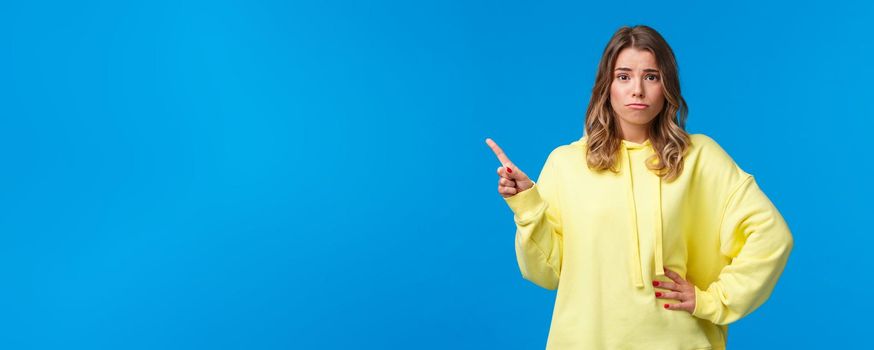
(659, 259)
(636, 263)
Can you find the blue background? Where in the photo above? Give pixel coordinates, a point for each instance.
(266, 175)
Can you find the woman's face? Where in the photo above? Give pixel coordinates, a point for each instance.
(636, 93)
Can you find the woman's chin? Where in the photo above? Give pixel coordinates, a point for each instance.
(638, 119)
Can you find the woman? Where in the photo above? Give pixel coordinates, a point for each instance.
(654, 238)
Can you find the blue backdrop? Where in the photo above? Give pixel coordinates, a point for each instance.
(272, 175)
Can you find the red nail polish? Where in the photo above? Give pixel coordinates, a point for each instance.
(509, 170)
(655, 283)
(658, 294)
(666, 306)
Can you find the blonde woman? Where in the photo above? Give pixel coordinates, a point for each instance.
(654, 238)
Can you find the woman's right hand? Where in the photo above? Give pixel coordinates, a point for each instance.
(511, 180)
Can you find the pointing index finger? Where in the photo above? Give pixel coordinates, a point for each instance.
(498, 152)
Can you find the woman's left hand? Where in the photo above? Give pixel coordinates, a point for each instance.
(680, 290)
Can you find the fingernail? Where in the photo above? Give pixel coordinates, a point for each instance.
(509, 170)
(655, 283)
(666, 306)
(658, 294)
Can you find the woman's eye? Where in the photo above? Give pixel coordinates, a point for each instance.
(622, 77)
(653, 76)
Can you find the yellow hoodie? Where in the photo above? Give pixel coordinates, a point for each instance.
(601, 238)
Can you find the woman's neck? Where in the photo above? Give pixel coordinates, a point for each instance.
(633, 132)
(639, 136)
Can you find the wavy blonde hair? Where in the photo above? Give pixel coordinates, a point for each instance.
(667, 133)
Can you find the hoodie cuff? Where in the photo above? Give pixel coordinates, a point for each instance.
(526, 205)
(706, 306)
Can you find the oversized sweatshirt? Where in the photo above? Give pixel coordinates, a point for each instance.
(600, 238)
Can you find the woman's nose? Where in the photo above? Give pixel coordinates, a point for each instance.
(637, 90)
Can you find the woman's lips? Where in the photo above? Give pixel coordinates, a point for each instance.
(637, 106)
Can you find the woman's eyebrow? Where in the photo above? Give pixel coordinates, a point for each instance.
(648, 70)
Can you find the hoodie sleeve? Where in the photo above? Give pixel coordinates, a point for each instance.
(756, 238)
(538, 228)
